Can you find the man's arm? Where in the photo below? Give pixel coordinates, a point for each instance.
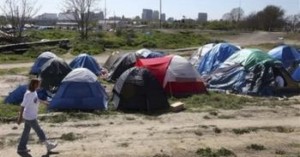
(20, 118)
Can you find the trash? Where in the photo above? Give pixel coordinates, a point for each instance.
(177, 106)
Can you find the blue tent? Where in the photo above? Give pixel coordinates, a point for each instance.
(296, 74)
(217, 55)
(17, 95)
(86, 61)
(80, 90)
(40, 61)
(286, 54)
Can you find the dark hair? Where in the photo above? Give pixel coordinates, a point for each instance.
(33, 84)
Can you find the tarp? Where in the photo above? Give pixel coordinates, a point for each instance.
(53, 72)
(86, 61)
(249, 58)
(288, 55)
(296, 74)
(175, 74)
(200, 53)
(138, 90)
(40, 61)
(217, 55)
(80, 90)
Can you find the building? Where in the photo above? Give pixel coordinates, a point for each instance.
(147, 15)
(171, 19)
(46, 19)
(155, 15)
(163, 17)
(202, 17)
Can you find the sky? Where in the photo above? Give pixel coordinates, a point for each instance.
(177, 8)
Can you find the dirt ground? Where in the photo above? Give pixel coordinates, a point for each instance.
(276, 129)
(174, 134)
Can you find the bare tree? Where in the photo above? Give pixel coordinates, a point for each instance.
(18, 13)
(292, 21)
(82, 11)
(235, 15)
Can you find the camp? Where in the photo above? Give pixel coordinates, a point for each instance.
(53, 72)
(40, 61)
(175, 74)
(138, 90)
(86, 61)
(213, 58)
(80, 90)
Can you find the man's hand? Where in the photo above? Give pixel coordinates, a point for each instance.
(19, 121)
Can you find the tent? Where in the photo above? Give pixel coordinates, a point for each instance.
(198, 55)
(146, 53)
(53, 72)
(175, 74)
(17, 95)
(40, 61)
(138, 90)
(250, 71)
(217, 55)
(79, 90)
(122, 62)
(111, 60)
(296, 74)
(86, 61)
(288, 55)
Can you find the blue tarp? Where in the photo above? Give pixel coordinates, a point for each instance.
(80, 90)
(16, 96)
(86, 61)
(40, 61)
(217, 55)
(286, 54)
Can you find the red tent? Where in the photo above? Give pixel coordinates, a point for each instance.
(176, 75)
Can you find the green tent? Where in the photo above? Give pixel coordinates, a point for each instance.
(248, 58)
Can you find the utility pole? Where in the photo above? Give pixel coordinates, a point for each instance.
(105, 14)
(239, 14)
(160, 14)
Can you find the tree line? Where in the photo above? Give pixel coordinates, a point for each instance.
(17, 13)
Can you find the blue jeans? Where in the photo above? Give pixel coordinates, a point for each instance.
(25, 135)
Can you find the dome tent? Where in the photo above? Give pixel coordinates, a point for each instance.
(86, 61)
(16, 96)
(80, 90)
(53, 72)
(215, 57)
(129, 92)
(175, 74)
(40, 61)
(288, 55)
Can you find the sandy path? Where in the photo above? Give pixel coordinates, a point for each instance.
(173, 134)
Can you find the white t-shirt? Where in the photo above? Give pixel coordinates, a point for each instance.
(31, 105)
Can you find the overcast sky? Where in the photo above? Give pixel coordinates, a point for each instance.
(177, 8)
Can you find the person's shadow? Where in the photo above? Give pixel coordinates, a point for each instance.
(26, 154)
(50, 153)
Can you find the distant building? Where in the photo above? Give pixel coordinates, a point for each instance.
(163, 17)
(155, 15)
(171, 19)
(147, 15)
(202, 17)
(46, 19)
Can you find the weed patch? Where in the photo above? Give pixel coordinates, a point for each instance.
(69, 137)
(256, 147)
(208, 152)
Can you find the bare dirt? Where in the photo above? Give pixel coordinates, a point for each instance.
(277, 129)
